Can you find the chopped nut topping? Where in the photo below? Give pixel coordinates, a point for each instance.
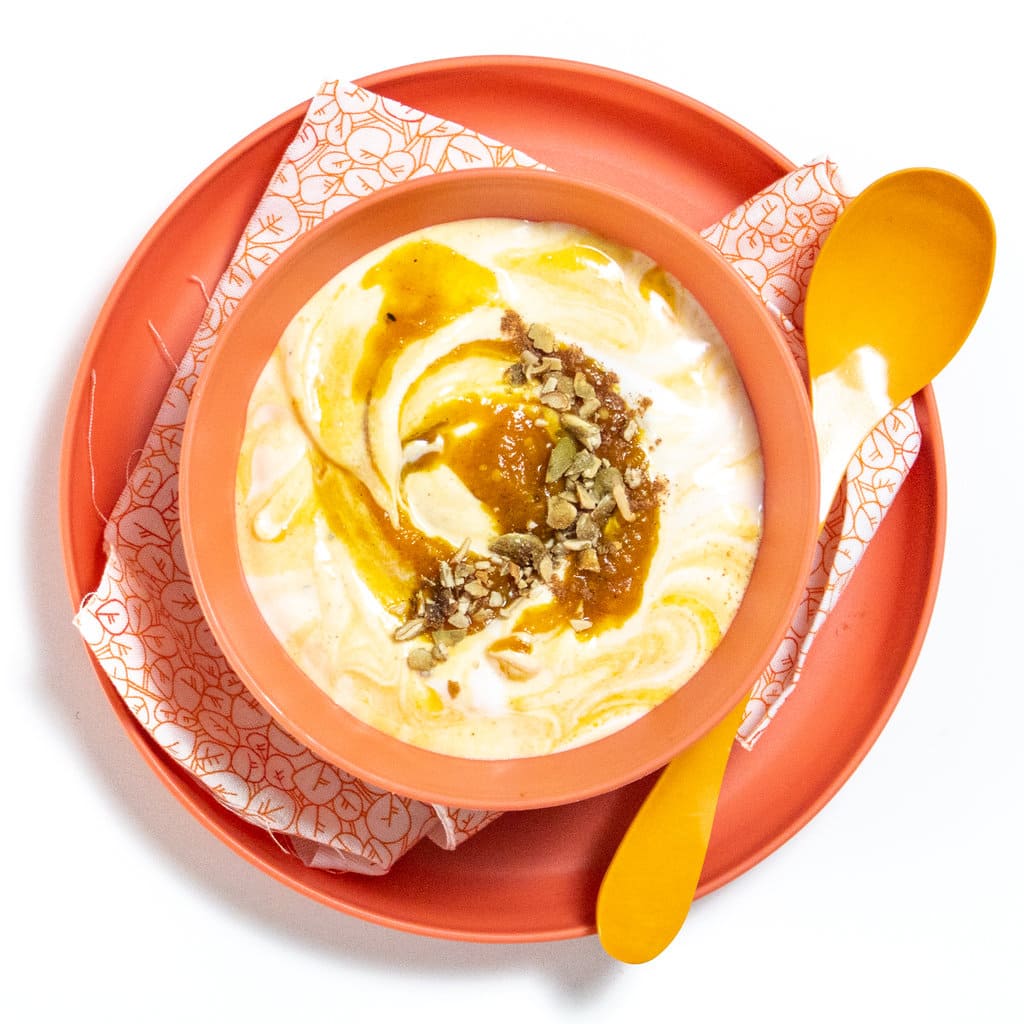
(557, 401)
(546, 568)
(588, 434)
(583, 491)
(622, 501)
(561, 513)
(562, 458)
(516, 375)
(542, 336)
(583, 388)
(521, 548)
(514, 665)
(585, 498)
(410, 629)
(586, 528)
(420, 659)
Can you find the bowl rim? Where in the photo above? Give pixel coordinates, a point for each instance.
(308, 713)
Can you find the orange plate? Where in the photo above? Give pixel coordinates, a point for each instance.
(216, 426)
(533, 875)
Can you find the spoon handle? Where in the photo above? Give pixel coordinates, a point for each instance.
(649, 885)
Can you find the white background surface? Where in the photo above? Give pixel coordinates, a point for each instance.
(901, 900)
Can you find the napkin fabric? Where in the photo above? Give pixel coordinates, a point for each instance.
(144, 624)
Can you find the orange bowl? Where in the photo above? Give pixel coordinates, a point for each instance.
(213, 440)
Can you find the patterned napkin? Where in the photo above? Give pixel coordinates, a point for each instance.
(143, 622)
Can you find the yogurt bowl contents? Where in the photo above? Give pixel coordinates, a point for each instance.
(500, 487)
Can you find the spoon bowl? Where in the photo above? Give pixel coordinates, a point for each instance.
(895, 291)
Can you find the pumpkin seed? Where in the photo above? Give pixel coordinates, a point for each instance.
(411, 629)
(420, 659)
(588, 434)
(542, 336)
(562, 456)
(521, 548)
(561, 513)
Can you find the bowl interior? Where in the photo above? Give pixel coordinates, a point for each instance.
(213, 439)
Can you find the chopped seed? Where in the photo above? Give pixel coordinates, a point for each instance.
(586, 433)
(583, 388)
(476, 589)
(562, 456)
(585, 498)
(495, 600)
(630, 430)
(575, 544)
(586, 528)
(606, 480)
(634, 477)
(446, 575)
(561, 514)
(549, 384)
(521, 548)
(514, 665)
(622, 501)
(586, 465)
(580, 625)
(604, 511)
(542, 336)
(448, 637)
(589, 407)
(557, 401)
(588, 561)
(420, 659)
(460, 620)
(546, 568)
(516, 375)
(409, 630)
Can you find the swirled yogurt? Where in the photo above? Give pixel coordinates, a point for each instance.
(500, 488)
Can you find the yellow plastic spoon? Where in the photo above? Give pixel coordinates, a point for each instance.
(893, 295)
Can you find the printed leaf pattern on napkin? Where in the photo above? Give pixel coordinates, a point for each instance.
(773, 240)
(143, 621)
